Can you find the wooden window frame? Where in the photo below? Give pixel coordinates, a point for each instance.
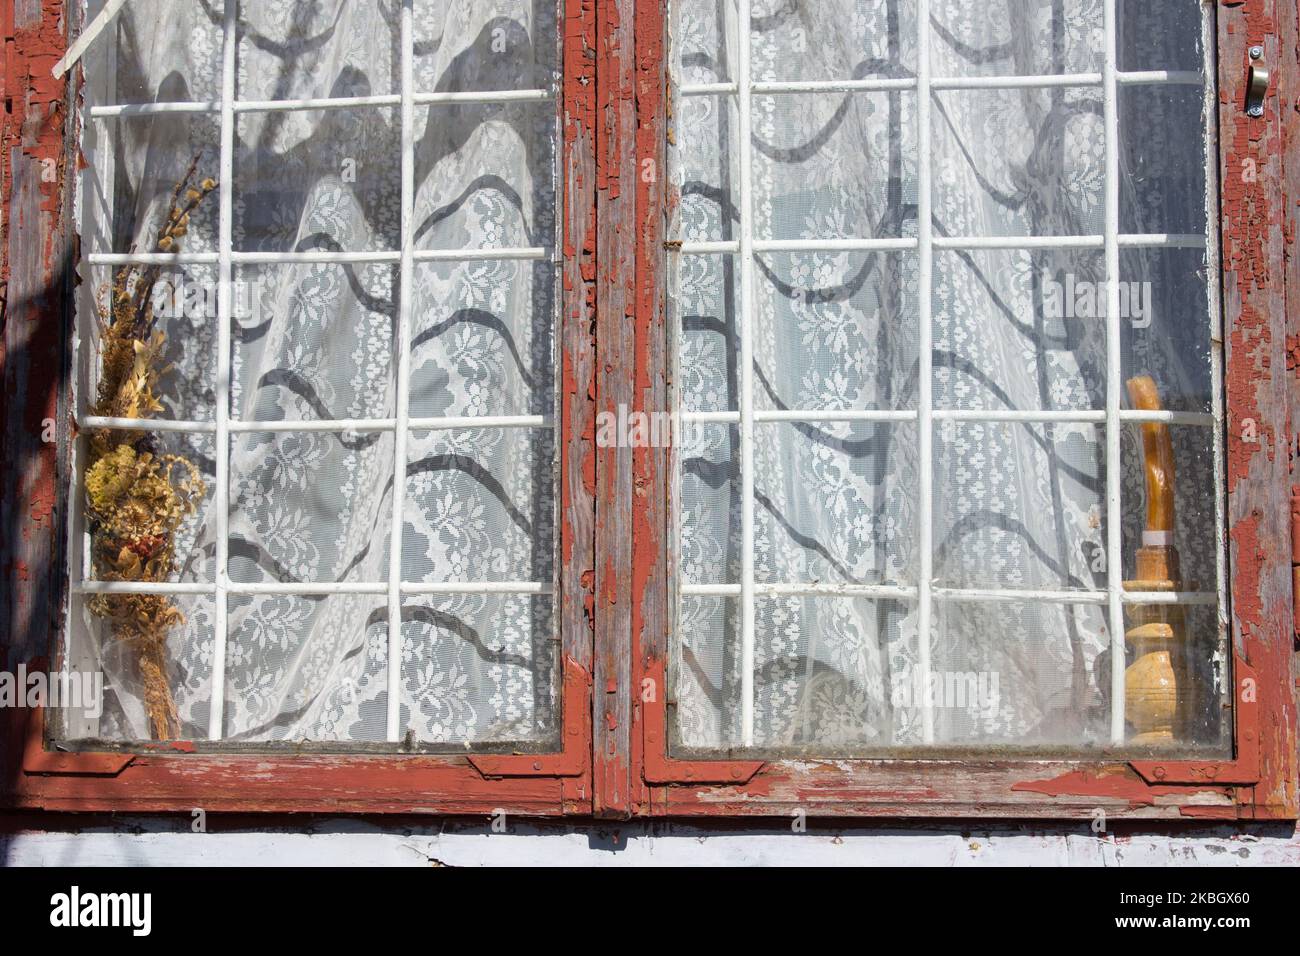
(176, 776)
(1259, 782)
(616, 550)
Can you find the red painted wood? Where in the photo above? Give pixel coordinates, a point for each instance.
(1254, 304)
(35, 268)
(175, 777)
(615, 344)
(607, 120)
(574, 759)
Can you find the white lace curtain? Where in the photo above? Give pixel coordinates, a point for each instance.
(1015, 505)
(317, 342)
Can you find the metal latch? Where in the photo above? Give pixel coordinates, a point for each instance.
(1256, 84)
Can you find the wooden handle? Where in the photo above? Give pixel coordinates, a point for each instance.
(1158, 452)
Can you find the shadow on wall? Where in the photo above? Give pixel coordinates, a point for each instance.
(35, 368)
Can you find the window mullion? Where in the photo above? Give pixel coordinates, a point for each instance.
(1114, 383)
(402, 396)
(225, 269)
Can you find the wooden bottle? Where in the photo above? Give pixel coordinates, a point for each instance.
(1154, 682)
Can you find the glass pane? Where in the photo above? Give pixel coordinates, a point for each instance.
(1006, 549)
(336, 458)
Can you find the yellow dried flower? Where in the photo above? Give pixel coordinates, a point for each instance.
(137, 500)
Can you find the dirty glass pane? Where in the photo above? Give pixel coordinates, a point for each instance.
(256, 510)
(826, 637)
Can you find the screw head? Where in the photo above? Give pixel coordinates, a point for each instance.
(1256, 52)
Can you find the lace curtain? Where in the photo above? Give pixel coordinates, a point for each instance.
(318, 341)
(1016, 505)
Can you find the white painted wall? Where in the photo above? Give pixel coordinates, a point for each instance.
(345, 842)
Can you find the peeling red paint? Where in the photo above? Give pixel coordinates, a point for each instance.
(1255, 240)
(1115, 781)
(615, 116)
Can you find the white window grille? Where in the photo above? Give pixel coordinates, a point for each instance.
(735, 83)
(100, 120)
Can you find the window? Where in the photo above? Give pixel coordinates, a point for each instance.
(966, 506)
(907, 380)
(357, 302)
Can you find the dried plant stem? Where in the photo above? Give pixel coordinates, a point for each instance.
(136, 498)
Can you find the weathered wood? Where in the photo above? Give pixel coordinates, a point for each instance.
(1254, 304)
(1265, 761)
(1288, 91)
(652, 466)
(616, 350)
(615, 117)
(37, 260)
(33, 281)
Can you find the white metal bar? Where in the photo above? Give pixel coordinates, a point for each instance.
(1114, 527)
(225, 272)
(1099, 598)
(143, 587)
(306, 588)
(484, 96)
(131, 110)
(1158, 78)
(872, 85)
(465, 255)
(315, 256)
(402, 396)
(88, 34)
(477, 587)
(152, 258)
(281, 426)
(1130, 240)
(1028, 82)
(763, 88)
(1133, 416)
(706, 89)
(100, 423)
(317, 103)
(810, 589)
(1127, 240)
(1167, 417)
(771, 589)
(1018, 242)
(1210, 165)
(761, 416)
(925, 360)
(878, 84)
(468, 422)
(1170, 597)
(311, 587)
(323, 425)
(747, 610)
(1040, 595)
(833, 245)
(1160, 240)
(719, 248)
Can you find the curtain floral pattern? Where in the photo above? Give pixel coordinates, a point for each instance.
(318, 341)
(1016, 505)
